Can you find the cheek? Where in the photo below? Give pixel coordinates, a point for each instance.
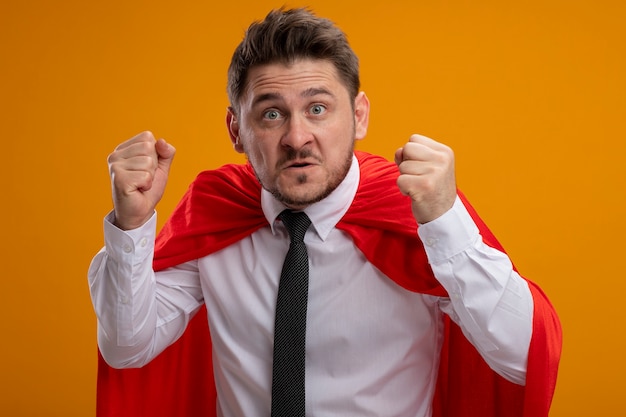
(255, 147)
(262, 144)
(260, 157)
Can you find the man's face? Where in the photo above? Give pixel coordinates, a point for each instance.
(297, 126)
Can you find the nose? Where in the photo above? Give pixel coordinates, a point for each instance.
(298, 133)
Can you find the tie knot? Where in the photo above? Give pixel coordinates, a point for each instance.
(296, 223)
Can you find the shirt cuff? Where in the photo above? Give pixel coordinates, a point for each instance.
(449, 234)
(129, 245)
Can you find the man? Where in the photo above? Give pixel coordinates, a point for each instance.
(393, 327)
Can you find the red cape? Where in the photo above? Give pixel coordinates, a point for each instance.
(223, 206)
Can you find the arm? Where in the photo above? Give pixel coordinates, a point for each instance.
(139, 312)
(488, 299)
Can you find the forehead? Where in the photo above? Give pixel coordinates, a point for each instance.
(292, 79)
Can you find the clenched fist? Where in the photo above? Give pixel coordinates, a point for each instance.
(139, 169)
(427, 176)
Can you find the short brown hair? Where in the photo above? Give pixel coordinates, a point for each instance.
(286, 35)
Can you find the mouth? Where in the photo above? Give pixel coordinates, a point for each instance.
(299, 164)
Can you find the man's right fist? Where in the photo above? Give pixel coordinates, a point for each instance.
(139, 169)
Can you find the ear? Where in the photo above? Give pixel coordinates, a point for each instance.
(233, 129)
(361, 115)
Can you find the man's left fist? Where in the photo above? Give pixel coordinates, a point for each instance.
(427, 176)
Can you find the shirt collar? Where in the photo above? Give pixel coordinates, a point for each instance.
(324, 214)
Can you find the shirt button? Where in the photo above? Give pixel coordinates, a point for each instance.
(124, 299)
(127, 249)
(430, 241)
(143, 242)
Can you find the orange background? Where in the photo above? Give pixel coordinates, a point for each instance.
(531, 96)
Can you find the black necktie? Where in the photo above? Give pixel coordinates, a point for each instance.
(290, 323)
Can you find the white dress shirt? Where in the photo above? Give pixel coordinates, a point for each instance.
(372, 346)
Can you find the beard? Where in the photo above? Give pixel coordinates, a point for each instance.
(314, 193)
(335, 178)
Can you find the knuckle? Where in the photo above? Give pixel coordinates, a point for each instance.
(145, 148)
(114, 168)
(112, 157)
(449, 153)
(145, 161)
(144, 177)
(146, 134)
(403, 182)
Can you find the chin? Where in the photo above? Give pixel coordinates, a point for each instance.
(302, 199)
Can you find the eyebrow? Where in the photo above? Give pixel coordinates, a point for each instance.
(309, 92)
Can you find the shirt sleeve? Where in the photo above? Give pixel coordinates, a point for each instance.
(139, 312)
(488, 299)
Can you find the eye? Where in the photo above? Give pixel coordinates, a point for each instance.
(317, 109)
(271, 115)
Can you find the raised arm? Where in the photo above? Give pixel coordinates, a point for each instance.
(139, 312)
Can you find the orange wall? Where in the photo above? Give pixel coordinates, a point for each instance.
(532, 97)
